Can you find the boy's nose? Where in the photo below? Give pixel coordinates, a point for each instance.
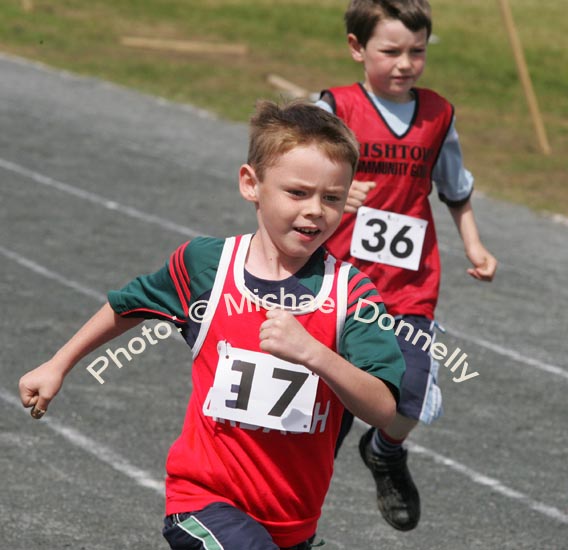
(314, 208)
(404, 61)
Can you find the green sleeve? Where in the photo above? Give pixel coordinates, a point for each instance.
(148, 296)
(365, 344)
(188, 274)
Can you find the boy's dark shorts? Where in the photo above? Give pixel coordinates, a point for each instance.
(420, 396)
(219, 526)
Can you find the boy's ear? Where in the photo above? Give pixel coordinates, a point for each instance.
(248, 183)
(355, 48)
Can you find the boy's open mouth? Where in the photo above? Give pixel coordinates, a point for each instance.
(306, 231)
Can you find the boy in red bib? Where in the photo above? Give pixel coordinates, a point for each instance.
(278, 351)
(407, 139)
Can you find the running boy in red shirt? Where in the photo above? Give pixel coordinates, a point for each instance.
(407, 140)
(277, 351)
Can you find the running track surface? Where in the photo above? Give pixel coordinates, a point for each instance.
(100, 183)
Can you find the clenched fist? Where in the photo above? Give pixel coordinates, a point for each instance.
(357, 194)
(283, 336)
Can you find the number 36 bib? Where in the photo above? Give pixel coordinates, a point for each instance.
(388, 238)
(262, 390)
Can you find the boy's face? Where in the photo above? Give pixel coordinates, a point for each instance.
(394, 58)
(300, 200)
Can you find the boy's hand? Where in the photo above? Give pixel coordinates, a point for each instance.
(484, 263)
(357, 195)
(284, 337)
(39, 386)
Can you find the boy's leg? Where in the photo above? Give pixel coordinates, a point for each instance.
(219, 526)
(382, 450)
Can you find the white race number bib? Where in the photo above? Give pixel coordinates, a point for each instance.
(262, 390)
(388, 238)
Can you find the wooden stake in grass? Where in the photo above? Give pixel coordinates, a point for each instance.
(291, 90)
(27, 5)
(525, 77)
(184, 46)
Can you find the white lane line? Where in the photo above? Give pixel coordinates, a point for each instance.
(103, 453)
(65, 281)
(142, 478)
(98, 199)
(492, 483)
(486, 481)
(515, 355)
(48, 274)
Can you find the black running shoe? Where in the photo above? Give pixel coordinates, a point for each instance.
(397, 496)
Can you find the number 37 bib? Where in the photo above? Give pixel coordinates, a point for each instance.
(388, 238)
(262, 390)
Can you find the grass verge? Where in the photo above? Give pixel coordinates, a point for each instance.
(303, 41)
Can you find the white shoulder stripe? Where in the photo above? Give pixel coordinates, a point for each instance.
(341, 310)
(213, 301)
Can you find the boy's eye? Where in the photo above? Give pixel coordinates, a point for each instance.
(332, 198)
(296, 192)
(414, 51)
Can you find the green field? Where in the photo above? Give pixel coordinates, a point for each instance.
(303, 41)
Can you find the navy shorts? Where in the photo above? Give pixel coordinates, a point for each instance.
(420, 395)
(219, 526)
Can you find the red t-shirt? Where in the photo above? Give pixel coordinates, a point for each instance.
(278, 478)
(402, 167)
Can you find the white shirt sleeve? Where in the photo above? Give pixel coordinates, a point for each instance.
(453, 182)
(325, 106)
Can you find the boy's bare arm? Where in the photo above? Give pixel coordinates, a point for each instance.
(39, 386)
(363, 394)
(484, 263)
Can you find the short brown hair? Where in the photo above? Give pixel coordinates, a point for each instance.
(362, 16)
(276, 130)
